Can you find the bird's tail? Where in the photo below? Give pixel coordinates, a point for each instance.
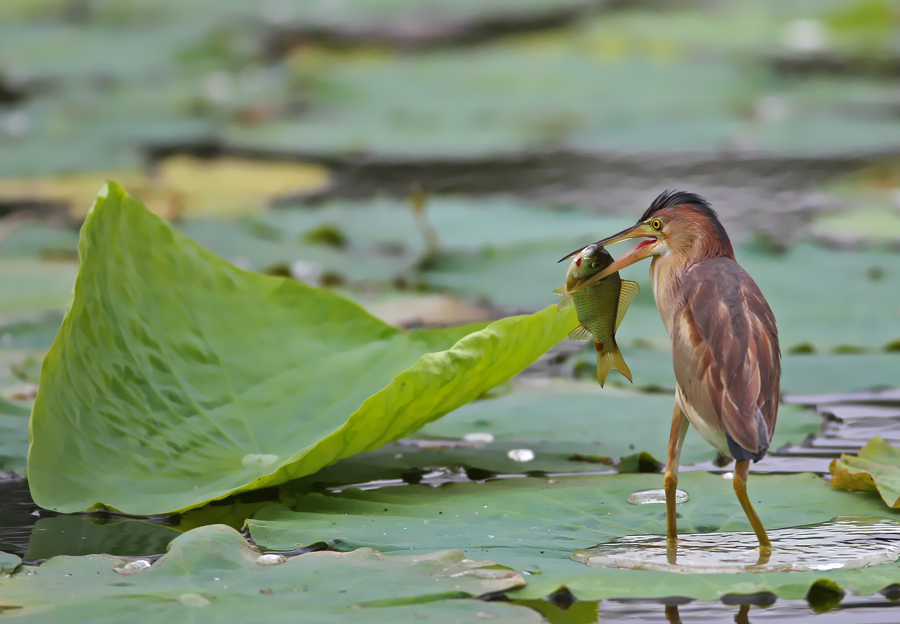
(609, 360)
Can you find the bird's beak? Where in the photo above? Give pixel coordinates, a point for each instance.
(642, 251)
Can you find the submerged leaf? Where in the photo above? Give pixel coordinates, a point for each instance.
(176, 370)
(875, 468)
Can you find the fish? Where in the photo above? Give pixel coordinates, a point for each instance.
(600, 307)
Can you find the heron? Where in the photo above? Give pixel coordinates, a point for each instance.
(725, 348)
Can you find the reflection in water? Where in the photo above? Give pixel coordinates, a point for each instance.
(650, 497)
(733, 609)
(843, 543)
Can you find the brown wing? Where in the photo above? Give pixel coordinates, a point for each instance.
(726, 355)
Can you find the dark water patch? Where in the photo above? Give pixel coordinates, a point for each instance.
(35, 534)
(730, 610)
(428, 31)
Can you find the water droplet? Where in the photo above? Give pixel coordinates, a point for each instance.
(840, 544)
(270, 559)
(258, 459)
(133, 567)
(479, 437)
(651, 497)
(521, 455)
(193, 600)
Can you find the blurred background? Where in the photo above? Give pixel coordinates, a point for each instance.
(432, 159)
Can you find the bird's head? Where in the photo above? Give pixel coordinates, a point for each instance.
(677, 223)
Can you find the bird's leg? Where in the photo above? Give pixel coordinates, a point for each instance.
(672, 615)
(741, 469)
(670, 482)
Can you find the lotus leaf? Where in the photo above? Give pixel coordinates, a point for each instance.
(173, 363)
(808, 313)
(36, 333)
(13, 436)
(875, 468)
(34, 285)
(536, 524)
(213, 574)
(800, 373)
(8, 563)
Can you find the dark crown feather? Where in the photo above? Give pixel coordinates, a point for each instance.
(667, 199)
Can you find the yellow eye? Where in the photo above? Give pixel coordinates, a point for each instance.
(656, 224)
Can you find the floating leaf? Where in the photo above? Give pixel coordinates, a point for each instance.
(536, 524)
(213, 573)
(179, 186)
(875, 468)
(33, 285)
(565, 426)
(13, 436)
(173, 363)
(8, 563)
(800, 374)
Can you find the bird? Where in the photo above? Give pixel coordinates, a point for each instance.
(725, 349)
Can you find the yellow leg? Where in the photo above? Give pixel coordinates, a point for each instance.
(672, 615)
(670, 482)
(741, 469)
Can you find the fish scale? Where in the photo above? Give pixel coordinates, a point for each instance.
(599, 307)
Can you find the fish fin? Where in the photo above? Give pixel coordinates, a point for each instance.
(611, 360)
(627, 294)
(566, 297)
(579, 333)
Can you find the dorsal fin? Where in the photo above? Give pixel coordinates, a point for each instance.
(626, 296)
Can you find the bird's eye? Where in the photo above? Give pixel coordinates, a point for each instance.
(656, 224)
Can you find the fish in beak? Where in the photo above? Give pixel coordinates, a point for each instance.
(644, 250)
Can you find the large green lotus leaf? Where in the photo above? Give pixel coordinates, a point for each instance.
(566, 426)
(174, 363)
(800, 374)
(536, 524)
(212, 574)
(875, 467)
(34, 285)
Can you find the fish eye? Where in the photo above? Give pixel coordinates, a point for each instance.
(656, 224)
(593, 265)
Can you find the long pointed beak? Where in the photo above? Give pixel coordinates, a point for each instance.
(642, 251)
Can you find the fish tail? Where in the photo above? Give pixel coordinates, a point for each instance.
(611, 360)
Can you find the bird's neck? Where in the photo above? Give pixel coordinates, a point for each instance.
(666, 273)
